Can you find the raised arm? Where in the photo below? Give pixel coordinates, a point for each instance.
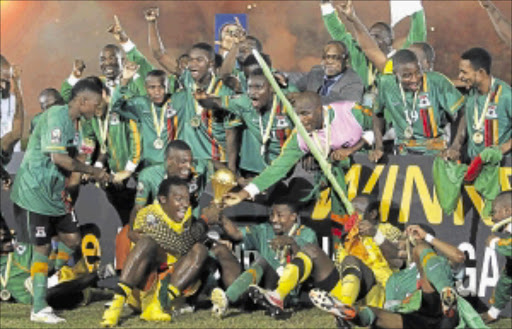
(76, 74)
(155, 42)
(501, 24)
(366, 42)
(10, 139)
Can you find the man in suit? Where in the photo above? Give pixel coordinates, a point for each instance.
(332, 80)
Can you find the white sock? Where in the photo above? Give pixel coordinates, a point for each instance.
(494, 312)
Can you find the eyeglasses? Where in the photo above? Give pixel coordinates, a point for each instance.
(333, 57)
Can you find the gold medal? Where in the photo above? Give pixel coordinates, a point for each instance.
(5, 295)
(195, 121)
(408, 132)
(478, 137)
(158, 144)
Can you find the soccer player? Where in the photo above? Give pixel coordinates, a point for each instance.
(502, 210)
(39, 190)
(264, 118)
(12, 112)
(178, 163)
(169, 237)
(368, 64)
(202, 128)
(358, 273)
(153, 113)
(278, 239)
(429, 301)
(487, 117)
(336, 133)
(415, 103)
(47, 98)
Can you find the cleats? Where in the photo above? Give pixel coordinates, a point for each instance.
(268, 300)
(46, 315)
(449, 302)
(113, 313)
(220, 302)
(328, 303)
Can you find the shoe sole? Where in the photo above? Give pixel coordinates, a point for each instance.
(220, 303)
(258, 298)
(329, 304)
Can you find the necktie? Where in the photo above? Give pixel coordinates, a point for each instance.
(325, 87)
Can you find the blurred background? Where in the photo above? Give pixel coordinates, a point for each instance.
(44, 37)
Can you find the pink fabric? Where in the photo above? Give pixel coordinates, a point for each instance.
(345, 130)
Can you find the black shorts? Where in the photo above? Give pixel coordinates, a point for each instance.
(429, 315)
(354, 265)
(39, 229)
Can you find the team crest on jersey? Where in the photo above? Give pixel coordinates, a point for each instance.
(20, 248)
(492, 111)
(281, 122)
(40, 232)
(424, 101)
(114, 119)
(56, 135)
(171, 111)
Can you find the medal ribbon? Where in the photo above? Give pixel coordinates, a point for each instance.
(409, 120)
(5, 279)
(266, 135)
(159, 125)
(479, 122)
(103, 129)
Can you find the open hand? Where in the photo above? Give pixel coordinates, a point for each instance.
(129, 70)
(233, 198)
(375, 155)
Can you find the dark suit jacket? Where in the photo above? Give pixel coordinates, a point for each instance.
(348, 88)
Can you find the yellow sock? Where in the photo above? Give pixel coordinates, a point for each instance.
(292, 276)
(127, 290)
(173, 292)
(350, 286)
(288, 280)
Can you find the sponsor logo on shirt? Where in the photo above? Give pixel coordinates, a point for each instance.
(40, 232)
(170, 111)
(114, 119)
(56, 135)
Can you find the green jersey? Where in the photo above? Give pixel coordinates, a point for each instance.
(494, 127)
(257, 237)
(34, 122)
(119, 138)
(358, 60)
(40, 186)
(158, 125)
(273, 126)
(203, 129)
(134, 55)
(417, 116)
(17, 263)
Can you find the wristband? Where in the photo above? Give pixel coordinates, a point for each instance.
(429, 238)
(98, 165)
(379, 238)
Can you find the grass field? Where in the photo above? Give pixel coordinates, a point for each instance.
(17, 316)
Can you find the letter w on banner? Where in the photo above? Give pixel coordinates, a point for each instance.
(401, 9)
